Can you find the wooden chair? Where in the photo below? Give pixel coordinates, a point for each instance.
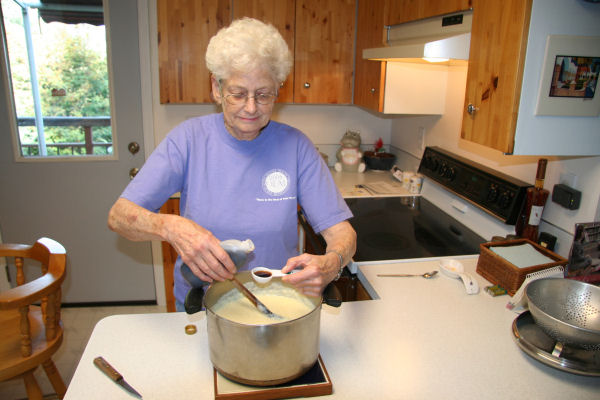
(30, 334)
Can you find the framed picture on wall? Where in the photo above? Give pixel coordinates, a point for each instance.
(569, 84)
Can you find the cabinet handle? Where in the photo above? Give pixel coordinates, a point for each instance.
(306, 85)
(471, 109)
(372, 90)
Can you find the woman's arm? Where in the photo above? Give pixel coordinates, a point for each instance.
(197, 246)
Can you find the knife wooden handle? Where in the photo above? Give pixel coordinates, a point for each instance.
(108, 369)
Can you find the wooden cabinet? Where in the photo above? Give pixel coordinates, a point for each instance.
(369, 78)
(184, 29)
(280, 14)
(320, 35)
(400, 11)
(169, 256)
(324, 51)
(494, 77)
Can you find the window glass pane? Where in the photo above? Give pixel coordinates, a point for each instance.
(59, 78)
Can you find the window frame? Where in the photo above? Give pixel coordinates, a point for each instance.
(5, 73)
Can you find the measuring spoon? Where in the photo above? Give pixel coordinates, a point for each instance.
(264, 274)
(426, 275)
(455, 269)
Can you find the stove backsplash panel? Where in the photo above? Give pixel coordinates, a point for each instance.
(496, 193)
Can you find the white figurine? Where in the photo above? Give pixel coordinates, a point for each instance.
(349, 155)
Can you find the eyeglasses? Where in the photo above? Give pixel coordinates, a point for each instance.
(238, 99)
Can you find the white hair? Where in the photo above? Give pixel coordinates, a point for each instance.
(245, 45)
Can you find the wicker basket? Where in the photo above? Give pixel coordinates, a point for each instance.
(499, 271)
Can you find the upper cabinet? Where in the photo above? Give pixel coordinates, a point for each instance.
(320, 35)
(400, 11)
(369, 77)
(496, 61)
(280, 14)
(324, 51)
(184, 29)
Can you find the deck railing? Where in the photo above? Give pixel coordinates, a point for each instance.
(87, 123)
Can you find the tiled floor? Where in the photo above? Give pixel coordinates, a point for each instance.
(78, 325)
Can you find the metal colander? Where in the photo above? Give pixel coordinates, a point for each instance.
(567, 310)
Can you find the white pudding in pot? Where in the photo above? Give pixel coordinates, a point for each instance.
(280, 299)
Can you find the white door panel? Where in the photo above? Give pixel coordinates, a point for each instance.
(69, 201)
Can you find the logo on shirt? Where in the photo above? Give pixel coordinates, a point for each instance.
(276, 182)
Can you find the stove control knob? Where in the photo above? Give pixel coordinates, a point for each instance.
(450, 173)
(442, 170)
(492, 195)
(505, 199)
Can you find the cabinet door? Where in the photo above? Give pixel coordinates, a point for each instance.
(324, 51)
(494, 77)
(184, 29)
(169, 256)
(369, 78)
(409, 10)
(280, 14)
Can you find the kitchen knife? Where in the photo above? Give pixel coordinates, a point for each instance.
(113, 374)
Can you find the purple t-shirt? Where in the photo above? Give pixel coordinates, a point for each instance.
(241, 189)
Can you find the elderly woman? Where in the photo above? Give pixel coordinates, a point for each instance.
(240, 175)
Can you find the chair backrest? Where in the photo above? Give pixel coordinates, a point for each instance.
(45, 290)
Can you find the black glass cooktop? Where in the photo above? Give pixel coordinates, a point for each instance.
(390, 228)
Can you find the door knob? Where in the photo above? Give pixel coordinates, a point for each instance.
(471, 109)
(133, 172)
(133, 147)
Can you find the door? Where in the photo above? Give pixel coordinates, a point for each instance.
(69, 200)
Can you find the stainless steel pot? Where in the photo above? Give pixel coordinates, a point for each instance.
(261, 355)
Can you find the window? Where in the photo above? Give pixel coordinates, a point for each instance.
(57, 66)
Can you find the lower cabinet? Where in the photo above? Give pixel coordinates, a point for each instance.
(169, 256)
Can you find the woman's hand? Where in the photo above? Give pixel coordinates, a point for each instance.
(318, 271)
(198, 247)
(315, 272)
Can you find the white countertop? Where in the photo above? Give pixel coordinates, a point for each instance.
(347, 181)
(423, 339)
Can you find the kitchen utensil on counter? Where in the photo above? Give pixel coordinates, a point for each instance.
(537, 344)
(567, 310)
(262, 355)
(114, 375)
(426, 275)
(454, 269)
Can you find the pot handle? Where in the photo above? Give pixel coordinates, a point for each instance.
(332, 296)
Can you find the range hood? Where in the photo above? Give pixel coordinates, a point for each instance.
(444, 39)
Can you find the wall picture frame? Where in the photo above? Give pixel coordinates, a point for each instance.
(569, 83)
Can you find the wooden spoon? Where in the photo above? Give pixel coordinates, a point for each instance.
(254, 300)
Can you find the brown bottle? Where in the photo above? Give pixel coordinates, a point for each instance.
(531, 214)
